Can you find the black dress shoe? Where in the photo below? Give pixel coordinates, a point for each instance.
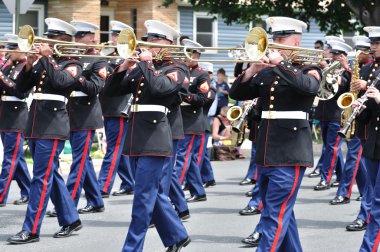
(2, 204)
(51, 213)
(66, 231)
(322, 185)
(315, 173)
(209, 183)
(91, 209)
(23, 237)
(177, 247)
(122, 192)
(247, 181)
(335, 183)
(22, 201)
(104, 195)
(253, 239)
(359, 198)
(196, 198)
(357, 225)
(339, 200)
(184, 215)
(249, 210)
(249, 193)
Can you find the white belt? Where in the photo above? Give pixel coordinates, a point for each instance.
(149, 108)
(50, 97)
(11, 98)
(285, 115)
(78, 94)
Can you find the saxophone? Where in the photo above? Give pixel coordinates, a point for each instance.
(345, 100)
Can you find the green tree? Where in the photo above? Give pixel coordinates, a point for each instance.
(331, 15)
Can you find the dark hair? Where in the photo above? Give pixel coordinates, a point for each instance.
(221, 71)
(319, 42)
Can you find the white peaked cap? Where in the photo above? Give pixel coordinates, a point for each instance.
(207, 66)
(83, 26)
(159, 29)
(11, 37)
(285, 26)
(57, 26)
(339, 46)
(361, 41)
(373, 31)
(117, 26)
(333, 38)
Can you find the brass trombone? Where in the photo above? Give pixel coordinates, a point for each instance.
(256, 46)
(27, 41)
(126, 45)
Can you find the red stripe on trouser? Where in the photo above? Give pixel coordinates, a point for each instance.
(114, 156)
(186, 159)
(81, 166)
(355, 171)
(201, 150)
(256, 174)
(44, 188)
(260, 205)
(333, 159)
(11, 170)
(376, 244)
(283, 208)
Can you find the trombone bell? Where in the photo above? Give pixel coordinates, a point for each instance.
(26, 38)
(126, 43)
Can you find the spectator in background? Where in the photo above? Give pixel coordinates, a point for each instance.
(221, 127)
(318, 45)
(222, 89)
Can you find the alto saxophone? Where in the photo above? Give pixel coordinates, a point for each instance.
(345, 100)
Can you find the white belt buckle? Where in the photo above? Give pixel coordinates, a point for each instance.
(3, 98)
(72, 94)
(270, 114)
(135, 108)
(38, 96)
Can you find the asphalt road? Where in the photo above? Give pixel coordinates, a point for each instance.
(215, 225)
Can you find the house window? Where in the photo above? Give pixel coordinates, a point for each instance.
(205, 29)
(34, 17)
(105, 18)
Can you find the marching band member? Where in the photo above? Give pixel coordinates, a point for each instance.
(47, 129)
(370, 116)
(329, 115)
(354, 168)
(13, 117)
(115, 126)
(204, 163)
(85, 115)
(189, 148)
(284, 141)
(155, 85)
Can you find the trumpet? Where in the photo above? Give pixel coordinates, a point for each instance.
(256, 46)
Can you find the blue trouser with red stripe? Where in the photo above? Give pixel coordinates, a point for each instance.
(151, 203)
(372, 234)
(256, 197)
(207, 173)
(332, 143)
(189, 153)
(252, 168)
(82, 172)
(115, 129)
(278, 188)
(14, 165)
(172, 188)
(47, 182)
(354, 169)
